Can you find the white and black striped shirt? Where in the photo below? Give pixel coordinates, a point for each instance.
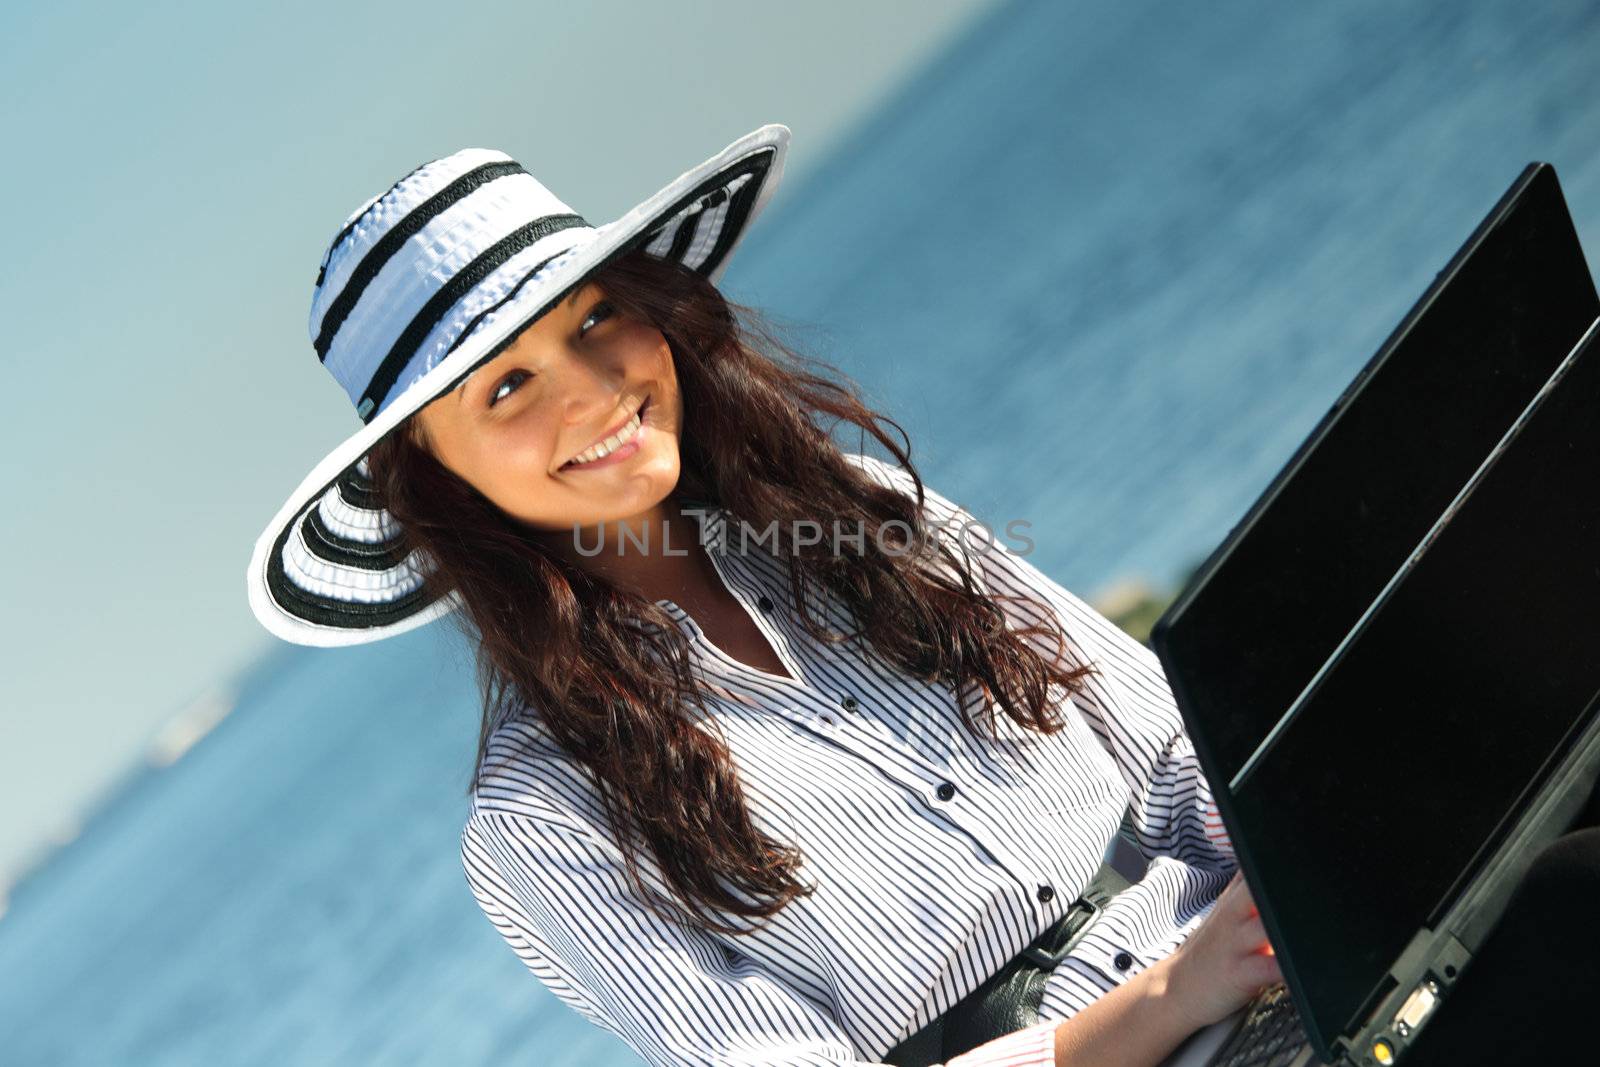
(937, 855)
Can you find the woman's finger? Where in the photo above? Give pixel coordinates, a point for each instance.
(1257, 970)
(1230, 899)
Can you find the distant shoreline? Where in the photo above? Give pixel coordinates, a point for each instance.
(1135, 605)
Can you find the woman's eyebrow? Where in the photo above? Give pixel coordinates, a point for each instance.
(572, 299)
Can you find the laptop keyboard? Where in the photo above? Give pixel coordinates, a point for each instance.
(1270, 1035)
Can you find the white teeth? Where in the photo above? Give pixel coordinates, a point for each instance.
(609, 445)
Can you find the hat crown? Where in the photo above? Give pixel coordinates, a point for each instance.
(413, 270)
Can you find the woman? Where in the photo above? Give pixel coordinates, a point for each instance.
(784, 759)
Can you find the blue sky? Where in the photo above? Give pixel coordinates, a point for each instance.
(174, 173)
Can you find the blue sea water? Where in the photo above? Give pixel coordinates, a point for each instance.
(1106, 262)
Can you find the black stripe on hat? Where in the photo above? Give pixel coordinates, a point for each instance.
(688, 226)
(332, 548)
(391, 242)
(472, 323)
(732, 222)
(349, 227)
(713, 190)
(359, 492)
(441, 302)
(343, 614)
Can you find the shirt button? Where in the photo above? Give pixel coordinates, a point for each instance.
(848, 704)
(1122, 962)
(945, 791)
(765, 602)
(1046, 894)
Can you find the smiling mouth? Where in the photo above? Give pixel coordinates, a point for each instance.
(638, 414)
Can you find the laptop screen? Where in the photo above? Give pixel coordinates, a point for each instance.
(1297, 572)
(1400, 769)
(1269, 608)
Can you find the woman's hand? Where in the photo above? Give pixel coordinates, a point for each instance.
(1222, 965)
(1225, 962)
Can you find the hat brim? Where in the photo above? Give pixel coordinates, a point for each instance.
(381, 595)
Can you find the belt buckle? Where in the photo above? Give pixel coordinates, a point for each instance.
(1046, 959)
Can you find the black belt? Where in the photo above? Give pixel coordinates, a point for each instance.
(1008, 1000)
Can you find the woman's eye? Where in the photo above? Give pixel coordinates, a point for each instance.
(596, 310)
(601, 311)
(506, 385)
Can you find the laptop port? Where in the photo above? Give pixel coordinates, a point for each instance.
(1417, 1007)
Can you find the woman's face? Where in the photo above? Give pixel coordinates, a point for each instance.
(572, 382)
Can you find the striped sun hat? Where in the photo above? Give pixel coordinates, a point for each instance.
(424, 283)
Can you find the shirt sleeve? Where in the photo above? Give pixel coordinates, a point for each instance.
(1128, 703)
(563, 901)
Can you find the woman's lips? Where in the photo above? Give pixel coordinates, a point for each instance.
(617, 455)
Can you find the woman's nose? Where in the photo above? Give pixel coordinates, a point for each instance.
(592, 392)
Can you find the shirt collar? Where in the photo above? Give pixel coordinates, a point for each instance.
(710, 520)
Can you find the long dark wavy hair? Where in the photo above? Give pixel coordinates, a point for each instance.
(563, 645)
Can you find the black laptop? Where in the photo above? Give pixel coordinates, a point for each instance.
(1388, 667)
